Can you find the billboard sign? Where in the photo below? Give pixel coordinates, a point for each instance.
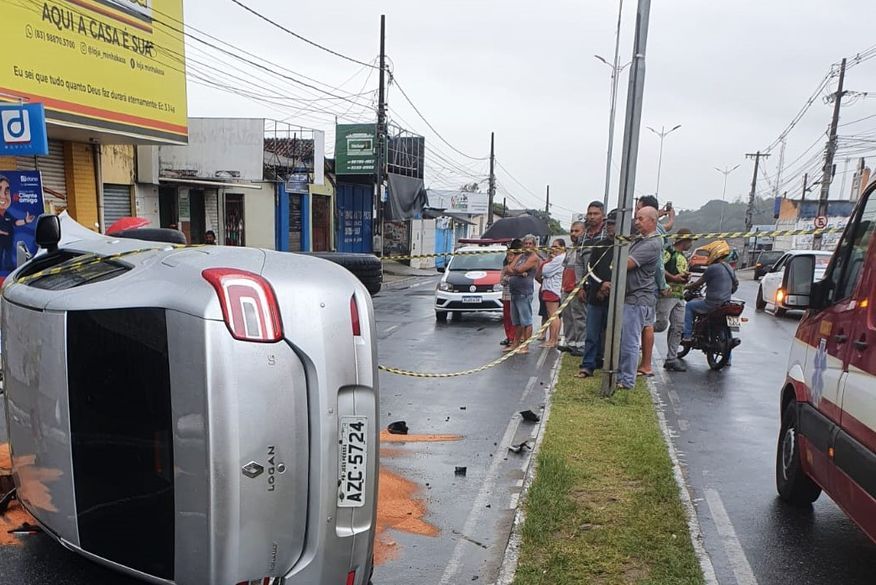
(459, 201)
(21, 203)
(105, 65)
(355, 149)
(24, 130)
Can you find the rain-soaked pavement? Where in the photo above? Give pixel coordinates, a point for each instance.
(436, 526)
(726, 426)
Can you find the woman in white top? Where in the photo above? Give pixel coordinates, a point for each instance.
(552, 288)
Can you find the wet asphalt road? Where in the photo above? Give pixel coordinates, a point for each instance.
(470, 516)
(726, 426)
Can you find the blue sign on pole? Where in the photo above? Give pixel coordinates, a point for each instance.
(24, 130)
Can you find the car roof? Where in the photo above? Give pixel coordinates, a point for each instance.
(492, 248)
(816, 252)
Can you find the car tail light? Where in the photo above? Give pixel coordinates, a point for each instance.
(249, 305)
(354, 317)
(351, 578)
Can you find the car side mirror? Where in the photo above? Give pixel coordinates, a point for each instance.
(48, 232)
(799, 277)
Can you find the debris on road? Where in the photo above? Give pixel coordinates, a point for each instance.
(459, 470)
(529, 416)
(398, 427)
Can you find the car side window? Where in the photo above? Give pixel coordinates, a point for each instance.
(852, 252)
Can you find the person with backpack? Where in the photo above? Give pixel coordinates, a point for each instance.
(720, 282)
(670, 306)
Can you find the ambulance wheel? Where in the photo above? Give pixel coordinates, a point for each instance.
(794, 486)
(759, 303)
(441, 316)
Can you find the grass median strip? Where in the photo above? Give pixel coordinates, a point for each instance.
(604, 507)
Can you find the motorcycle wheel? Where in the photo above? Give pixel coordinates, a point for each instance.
(683, 350)
(719, 346)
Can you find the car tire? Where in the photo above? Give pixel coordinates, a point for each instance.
(759, 303)
(366, 267)
(792, 483)
(441, 316)
(780, 312)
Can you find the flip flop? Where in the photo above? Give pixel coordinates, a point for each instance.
(583, 374)
(646, 374)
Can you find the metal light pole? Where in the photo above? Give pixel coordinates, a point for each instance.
(725, 172)
(615, 73)
(662, 134)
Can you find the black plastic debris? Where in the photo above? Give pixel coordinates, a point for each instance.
(529, 416)
(5, 500)
(518, 448)
(461, 471)
(398, 427)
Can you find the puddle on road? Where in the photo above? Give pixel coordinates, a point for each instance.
(399, 505)
(15, 515)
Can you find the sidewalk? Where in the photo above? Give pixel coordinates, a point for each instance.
(395, 273)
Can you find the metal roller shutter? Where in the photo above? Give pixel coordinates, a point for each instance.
(116, 203)
(52, 169)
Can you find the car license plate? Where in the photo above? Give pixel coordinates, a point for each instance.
(471, 299)
(352, 458)
(733, 323)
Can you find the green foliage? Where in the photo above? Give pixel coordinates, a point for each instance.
(708, 217)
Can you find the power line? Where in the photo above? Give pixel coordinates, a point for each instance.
(299, 37)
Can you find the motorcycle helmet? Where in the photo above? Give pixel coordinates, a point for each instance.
(717, 250)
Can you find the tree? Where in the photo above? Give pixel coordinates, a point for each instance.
(554, 226)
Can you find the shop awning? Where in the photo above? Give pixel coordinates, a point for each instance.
(208, 183)
(436, 213)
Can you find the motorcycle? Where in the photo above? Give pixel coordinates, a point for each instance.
(713, 331)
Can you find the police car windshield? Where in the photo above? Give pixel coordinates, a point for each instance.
(485, 261)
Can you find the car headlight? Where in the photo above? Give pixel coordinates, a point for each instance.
(497, 288)
(445, 286)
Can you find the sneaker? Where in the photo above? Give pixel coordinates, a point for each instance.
(505, 341)
(674, 366)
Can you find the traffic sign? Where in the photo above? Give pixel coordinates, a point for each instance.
(820, 222)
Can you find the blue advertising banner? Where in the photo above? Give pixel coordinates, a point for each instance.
(21, 202)
(23, 130)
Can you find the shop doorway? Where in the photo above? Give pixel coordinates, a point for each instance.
(197, 211)
(168, 207)
(321, 223)
(235, 234)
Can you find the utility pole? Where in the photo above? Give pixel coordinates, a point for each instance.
(615, 73)
(492, 188)
(381, 131)
(635, 95)
(805, 185)
(547, 201)
(504, 206)
(827, 171)
(749, 213)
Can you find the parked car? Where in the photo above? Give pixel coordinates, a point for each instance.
(827, 439)
(471, 281)
(765, 261)
(194, 415)
(773, 286)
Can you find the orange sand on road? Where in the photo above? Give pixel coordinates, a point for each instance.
(386, 437)
(15, 515)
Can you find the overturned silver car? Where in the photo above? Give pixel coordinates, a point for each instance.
(194, 415)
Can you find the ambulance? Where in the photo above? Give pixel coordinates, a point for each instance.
(827, 440)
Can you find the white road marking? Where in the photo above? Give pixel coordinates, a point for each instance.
(512, 503)
(480, 502)
(529, 386)
(732, 547)
(390, 330)
(542, 358)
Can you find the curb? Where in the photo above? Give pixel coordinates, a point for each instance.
(693, 523)
(508, 568)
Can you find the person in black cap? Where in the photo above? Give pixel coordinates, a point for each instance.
(596, 298)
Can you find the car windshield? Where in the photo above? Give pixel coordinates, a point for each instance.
(486, 261)
(821, 262)
(768, 258)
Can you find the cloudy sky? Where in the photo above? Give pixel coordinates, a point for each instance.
(733, 74)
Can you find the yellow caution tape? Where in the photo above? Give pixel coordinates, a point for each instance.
(88, 260)
(544, 326)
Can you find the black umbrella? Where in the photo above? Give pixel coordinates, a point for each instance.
(517, 227)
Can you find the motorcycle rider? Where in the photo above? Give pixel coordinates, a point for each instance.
(720, 282)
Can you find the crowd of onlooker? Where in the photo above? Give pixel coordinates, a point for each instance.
(657, 277)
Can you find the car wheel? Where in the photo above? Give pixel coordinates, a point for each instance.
(366, 267)
(759, 303)
(792, 483)
(441, 316)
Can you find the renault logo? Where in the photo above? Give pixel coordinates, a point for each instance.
(252, 470)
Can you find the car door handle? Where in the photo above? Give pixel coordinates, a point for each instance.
(861, 345)
(841, 338)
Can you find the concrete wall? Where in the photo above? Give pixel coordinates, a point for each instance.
(258, 214)
(117, 164)
(218, 148)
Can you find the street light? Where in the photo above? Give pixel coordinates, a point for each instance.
(615, 72)
(662, 134)
(724, 172)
